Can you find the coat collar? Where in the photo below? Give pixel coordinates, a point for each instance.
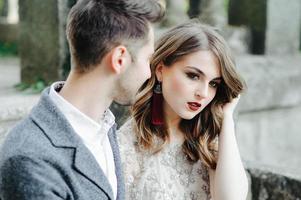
(57, 129)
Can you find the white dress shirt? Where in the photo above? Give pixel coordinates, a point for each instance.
(94, 134)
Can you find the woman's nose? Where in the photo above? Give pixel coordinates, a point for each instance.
(202, 91)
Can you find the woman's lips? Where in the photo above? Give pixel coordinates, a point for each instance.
(194, 106)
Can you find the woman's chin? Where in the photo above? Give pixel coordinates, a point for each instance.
(188, 115)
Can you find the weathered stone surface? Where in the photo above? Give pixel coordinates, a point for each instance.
(9, 32)
(268, 132)
(272, 82)
(175, 13)
(283, 29)
(9, 75)
(267, 185)
(213, 12)
(12, 109)
(42, 44)
(12, 15)
(271, 138)
(238, 38)
(16, 107)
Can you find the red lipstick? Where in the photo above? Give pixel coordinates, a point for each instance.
(194, 106)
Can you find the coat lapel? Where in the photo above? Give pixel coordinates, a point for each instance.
(85, 164)
(117, 160)
(56, 127)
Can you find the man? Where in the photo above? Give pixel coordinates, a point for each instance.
(66, 148)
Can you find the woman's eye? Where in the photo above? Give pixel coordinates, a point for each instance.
(214, 84)
(192, 76)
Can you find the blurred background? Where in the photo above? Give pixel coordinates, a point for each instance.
(264, 35)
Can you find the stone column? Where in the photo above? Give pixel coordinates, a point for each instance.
(252, 15)
(42, 46)
(283, 27)
(3, 8)
(175, 12)
(194, 9)
(9, 21)
(12, 15)
(213, 12)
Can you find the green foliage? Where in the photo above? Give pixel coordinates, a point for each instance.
(1, 5)
(8, 49)
(248, 12)
(238, 13)
(3, 8)
(37, 87)
(226, 5)
(22, 86)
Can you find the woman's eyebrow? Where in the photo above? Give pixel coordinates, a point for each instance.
(202, 73)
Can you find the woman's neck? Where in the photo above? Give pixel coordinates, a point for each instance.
(172, 120)
(175, 135)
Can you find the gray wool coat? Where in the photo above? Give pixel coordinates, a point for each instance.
(43, 158)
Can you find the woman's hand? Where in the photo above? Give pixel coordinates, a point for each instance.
(229, 108)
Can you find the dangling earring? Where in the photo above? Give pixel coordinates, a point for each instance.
(157, 106)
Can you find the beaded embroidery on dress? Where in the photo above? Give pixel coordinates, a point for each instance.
(166, 175)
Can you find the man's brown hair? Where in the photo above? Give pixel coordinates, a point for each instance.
(95, 27)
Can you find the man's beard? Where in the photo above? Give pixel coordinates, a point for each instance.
(127, 98)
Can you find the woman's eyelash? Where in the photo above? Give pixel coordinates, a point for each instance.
(214, 84)
(193, 76)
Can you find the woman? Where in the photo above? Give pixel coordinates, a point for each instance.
(181, 143)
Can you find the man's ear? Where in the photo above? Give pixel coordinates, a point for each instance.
(119, 59)
(159, 69)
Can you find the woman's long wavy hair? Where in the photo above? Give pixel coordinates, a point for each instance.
(201, 132)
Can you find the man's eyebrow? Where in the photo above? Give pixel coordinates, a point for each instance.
(202, 73)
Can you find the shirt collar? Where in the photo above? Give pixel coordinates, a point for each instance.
(88, 129)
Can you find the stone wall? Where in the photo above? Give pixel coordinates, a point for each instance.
(14, 105)
(12, 109)
(8, 21)
(283, 30)
(267, 128)
(42, 47)
(9, 32)
(273, 82)
(268, 185)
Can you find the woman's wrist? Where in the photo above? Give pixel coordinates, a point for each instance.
(228, 114)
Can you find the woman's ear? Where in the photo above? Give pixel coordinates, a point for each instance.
(159, 70)
(119, 59)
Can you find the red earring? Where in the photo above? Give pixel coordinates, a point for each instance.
(157, 106)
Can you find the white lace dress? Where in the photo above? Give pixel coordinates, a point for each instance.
(166, 175)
